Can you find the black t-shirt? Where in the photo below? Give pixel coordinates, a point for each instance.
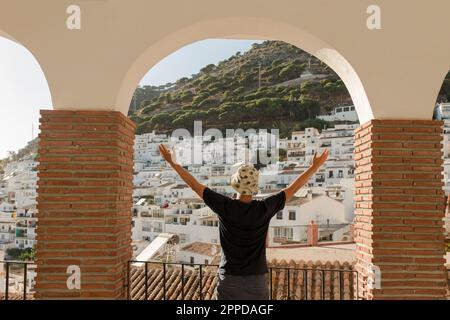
(243, 229)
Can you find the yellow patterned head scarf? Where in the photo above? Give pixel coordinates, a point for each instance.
(245, 180)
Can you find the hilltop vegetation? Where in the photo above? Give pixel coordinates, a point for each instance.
(273, 85)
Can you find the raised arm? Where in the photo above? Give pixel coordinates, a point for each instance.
(302, 179)
(183, 173)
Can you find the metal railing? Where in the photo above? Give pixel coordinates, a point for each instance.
(155, 280)
(21, 269)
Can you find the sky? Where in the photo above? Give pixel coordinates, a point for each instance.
(191, 58)
(24, 89)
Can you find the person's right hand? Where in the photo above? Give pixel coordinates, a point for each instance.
(318, 161)
(168, 155)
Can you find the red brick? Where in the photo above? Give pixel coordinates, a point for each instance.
(399, 207)
(86, 172)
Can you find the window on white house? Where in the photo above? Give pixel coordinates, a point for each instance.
(285, 233)
(183, 238)
(291, 215)
(192, 260)
(280, 215)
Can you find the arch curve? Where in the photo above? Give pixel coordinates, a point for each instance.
(33, 56)
(244, 28)
(444, 72)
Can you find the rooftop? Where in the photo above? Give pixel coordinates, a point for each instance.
(204, 248)
(336, 252)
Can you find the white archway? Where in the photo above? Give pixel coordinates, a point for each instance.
(245, 28)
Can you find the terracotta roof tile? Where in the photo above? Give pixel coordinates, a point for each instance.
(15, 296)
(175, 290)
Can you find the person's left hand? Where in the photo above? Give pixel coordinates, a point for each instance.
(168, 155)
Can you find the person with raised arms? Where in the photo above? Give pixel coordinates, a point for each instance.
(243, 226)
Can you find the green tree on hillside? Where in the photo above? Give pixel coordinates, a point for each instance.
(291, 71)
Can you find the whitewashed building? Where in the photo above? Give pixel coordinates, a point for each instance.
(20, 181)
(146, 150)
(7, 228)
(303, 145)
(198, 252)
(290, 224)
(147, 221)
(346, 113)
(26, 220)
(189, 218)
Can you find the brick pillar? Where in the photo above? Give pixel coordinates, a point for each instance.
(85, 187)
(399, 209)
(312, 234)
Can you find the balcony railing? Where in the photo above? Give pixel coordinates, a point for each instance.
(192, 281)
(16, 273)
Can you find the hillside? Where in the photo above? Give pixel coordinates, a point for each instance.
(274, 84)
(30, 149)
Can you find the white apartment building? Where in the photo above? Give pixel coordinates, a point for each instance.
(347, 113)
(283, 143)
(7, 228)
(25, 164)
(6, 207)
(188, 218)
(20, 182)
(194, 224)
(219, 178)
(243, 146)
(147, 221)
(3, 192)
(7, 225)
(26, 220)
(146, 150)
(20, 186)
(339, 142)
(290, 224)
(303, 145)
(172, 194)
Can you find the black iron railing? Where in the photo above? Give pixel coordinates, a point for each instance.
(154, 280)
(20, 269)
